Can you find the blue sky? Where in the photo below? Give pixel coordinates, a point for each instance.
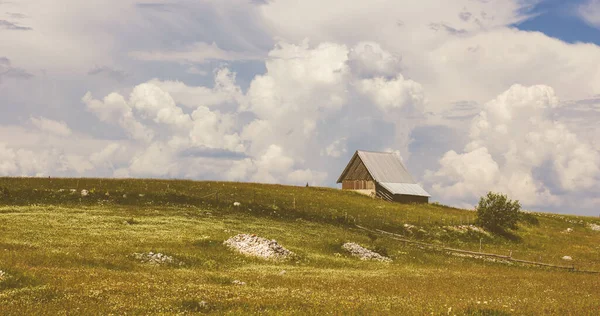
(475, 96)
(559, 19)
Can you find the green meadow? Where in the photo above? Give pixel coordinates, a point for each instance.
(67, 254)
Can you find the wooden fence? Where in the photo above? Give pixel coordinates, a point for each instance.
(474, 253)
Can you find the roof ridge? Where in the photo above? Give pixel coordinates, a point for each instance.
(377, 152)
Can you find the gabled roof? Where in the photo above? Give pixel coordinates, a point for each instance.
(388, 170)
(383, 167)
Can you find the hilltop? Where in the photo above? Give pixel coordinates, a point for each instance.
(68, 245)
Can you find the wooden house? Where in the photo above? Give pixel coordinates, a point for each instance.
(381, 175)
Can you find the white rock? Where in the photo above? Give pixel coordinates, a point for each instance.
(84, 192)
(364, 253)
(282, 272)
(72, 190)
(154, 258)
(236, 204)
(569, 230)
(594, 227)
(568, 258)
(238, 282)
(253, 245)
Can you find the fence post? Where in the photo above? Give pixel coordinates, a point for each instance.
(480, 241)
(294, 202)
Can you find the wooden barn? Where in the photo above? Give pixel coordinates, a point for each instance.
(382, 175)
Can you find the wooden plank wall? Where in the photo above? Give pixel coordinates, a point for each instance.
(358, 185)
(357, 171)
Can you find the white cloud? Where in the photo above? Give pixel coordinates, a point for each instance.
(225, 91)
(271, 163)
(370, 59)
(8, 161)
(513, 137)
(114, 109)
(307, 176)
(23, 162)
(51, 126)
(154, 103)
(590, 12)
(336, 149)
(395, 93)
(214, 130)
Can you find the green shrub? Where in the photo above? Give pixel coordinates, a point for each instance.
(496, 213)
(529, 218)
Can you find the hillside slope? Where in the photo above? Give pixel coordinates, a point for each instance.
(63, 252)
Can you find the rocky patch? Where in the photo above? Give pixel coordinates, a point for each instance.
(252, 245)
(364, 253)
(594, 227)
(155, 259)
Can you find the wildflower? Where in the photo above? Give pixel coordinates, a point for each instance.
(238, 282)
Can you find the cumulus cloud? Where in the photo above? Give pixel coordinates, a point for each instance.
(511, 140)
(265, 134)
(23, 162)
(370, 59)
(224, 91)
(51, 126)
(395, 93)
(114, 109)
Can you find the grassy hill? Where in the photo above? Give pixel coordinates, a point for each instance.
(64, 253)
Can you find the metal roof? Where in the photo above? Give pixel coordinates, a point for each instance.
(405, 188)
(385, 167)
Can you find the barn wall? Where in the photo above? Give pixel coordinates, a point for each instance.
(410, 198)
(358, 185)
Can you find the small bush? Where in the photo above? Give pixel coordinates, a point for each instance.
(529, 218)
(497, 213)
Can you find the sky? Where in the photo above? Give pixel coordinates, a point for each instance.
(474, 95)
